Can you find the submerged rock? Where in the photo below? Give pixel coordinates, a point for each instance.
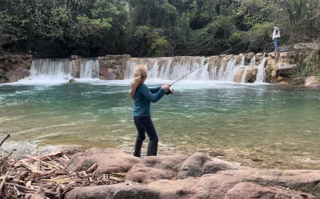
(72, 81)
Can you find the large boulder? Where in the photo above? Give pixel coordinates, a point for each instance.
(107, 74)
(107, 160)
(311, 46)
(312, 81)
(253, 191)
(151, 168)
(251, 74)
(238, 75)
(196, 176)
(199, 164)
(11, 77)
(120, 191)
(286, 70)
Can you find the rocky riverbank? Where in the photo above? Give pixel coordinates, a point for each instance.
(14, 67)
(91, 174)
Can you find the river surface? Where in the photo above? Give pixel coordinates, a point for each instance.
(259, 125)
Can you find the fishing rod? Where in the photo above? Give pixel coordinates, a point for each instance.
(170, 91)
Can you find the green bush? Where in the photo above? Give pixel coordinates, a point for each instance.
(313, 66)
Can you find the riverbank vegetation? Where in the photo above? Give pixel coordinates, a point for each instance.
(59, 28)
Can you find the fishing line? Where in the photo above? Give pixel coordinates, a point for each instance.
(206, 62)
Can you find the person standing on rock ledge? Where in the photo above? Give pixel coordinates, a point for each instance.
(276, 36)
(142, 96)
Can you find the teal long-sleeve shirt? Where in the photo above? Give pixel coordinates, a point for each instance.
(143, 97)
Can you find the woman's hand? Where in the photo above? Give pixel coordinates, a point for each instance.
(165, 87)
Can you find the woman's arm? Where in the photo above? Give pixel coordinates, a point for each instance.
(152, 97)
(155, 89)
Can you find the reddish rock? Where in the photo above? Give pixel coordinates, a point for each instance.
(153, 168)
(253, 191)
(312, 81)
(198, 164)
(196, 176)
(14, 67)
(108, 161)
(119, 191)
(107, 74)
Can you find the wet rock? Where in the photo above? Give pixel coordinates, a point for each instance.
(312, 46)
(312, 81)
(252, 191)
(75, 57)
(72, 81)
(286, 70)
(11, 77)
(107, 74)
(21, 74)
(238, 76)
(251, 74)
(108, 161)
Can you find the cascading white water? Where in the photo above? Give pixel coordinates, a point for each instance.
(253, 61)
(153, 73)
(222, 69)
(242, 60)
(244, 75)
(47, 69)
(229, 72)
(59, 70)
(261, 75)
(89, 69)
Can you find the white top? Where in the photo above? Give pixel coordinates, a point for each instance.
(276, 33)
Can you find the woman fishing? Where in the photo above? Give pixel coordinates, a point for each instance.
(142, 96)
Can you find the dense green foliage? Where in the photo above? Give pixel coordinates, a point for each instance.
(58, 28)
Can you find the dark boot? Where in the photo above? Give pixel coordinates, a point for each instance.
(152, 148)
(137, 148)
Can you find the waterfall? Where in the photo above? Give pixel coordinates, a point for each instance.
(228, 74)
(172, 68)
(261, 75)
(60, 70)
(253, 61)
(244, 75)
(52, 69)
(153, 73)
(89, 69)
(242, 60)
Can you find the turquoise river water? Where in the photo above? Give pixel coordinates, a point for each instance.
(259, 125)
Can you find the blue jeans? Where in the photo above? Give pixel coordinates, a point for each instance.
(144, 124)
(276, 43)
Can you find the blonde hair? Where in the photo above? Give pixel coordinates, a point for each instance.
(139, 75)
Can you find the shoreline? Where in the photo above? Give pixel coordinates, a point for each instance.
(111, 173)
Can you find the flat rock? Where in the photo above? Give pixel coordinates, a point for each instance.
(119, 191)
(153, 168)
(253, 191)
(108, 161)
(196, 176)
(312, 46)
